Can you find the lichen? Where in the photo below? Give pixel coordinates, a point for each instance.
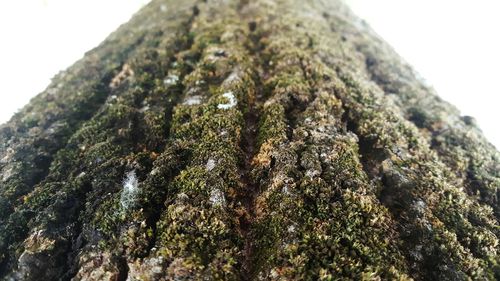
(210, 165)
(192, 100)
(217, 198)
(130, 192)
(171, 79)
(231, 101)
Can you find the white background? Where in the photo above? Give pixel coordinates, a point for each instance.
(454, 44)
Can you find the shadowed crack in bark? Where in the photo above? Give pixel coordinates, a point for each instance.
(250, 191)
(249, 146)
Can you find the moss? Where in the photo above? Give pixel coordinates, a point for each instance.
(273, 128)
(302, 208)
(401, 136)
(95, 148)
(208, 133)
(260, 140)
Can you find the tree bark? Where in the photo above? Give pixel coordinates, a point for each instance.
(245, 140)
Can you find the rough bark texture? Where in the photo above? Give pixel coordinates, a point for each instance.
(245, 140)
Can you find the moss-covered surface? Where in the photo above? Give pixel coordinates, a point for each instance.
(245, 140)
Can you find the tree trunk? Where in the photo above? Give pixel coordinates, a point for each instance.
(245, 140)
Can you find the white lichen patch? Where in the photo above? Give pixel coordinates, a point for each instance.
(214, 54)
(286, 190)
(210, 165)
(416, 253)
(163, 8)
(130, 190)
(274, 274)
(182, 196)
(144, 109)
(233, 79)
(150, 268)
(179, 269)
(7, 173)
(171, 79)
(155, 171)
(420, 206)
(96, 266)
(9, 154)
(111, 100)
(312, 173)
(192, 100)
(51, 91)
(231, 101)
(217, 198)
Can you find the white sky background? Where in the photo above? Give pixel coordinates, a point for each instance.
(454, 44)
(38, 38)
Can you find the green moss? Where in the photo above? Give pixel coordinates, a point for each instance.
(272, 125)
(264, 140)
(452, 221)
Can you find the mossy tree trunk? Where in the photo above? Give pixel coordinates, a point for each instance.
(245, 140)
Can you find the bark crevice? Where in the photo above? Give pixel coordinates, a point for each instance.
(249, 146)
